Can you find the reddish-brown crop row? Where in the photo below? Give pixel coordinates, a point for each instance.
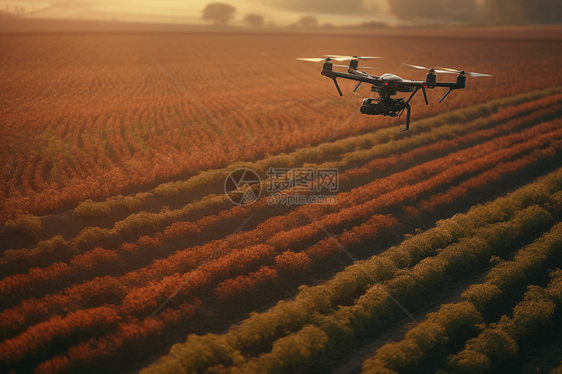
(133, 332)
(366, 232)
(140, 300)
(284, 232)
(139, 127)
(551, 109)
(99, 155)
(91, 349)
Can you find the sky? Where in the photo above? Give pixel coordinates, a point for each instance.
(278, 12)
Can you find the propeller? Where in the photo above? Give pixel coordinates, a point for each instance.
(470, 74)
(341, 58)
(450, 71)
(358, 68)
(431, 70)
(347, 58)
(314, 59)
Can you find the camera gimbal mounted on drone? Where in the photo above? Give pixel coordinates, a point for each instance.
(388, 85)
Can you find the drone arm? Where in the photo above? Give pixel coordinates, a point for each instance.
(358, 78)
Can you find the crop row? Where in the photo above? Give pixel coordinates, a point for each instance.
(154, 219)
(87, 155)
(469, 119)
(185, 260)
(522, 221)
(498, 341)
(280, 233)
(454, 319)
(353, 148)
(311, 314)
(141, 300)
(260, 327)
(430, 130)
(137, 117)
(135, 221)
(406, 285)
(371, 140)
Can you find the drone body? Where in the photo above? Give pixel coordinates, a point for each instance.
(388, 85)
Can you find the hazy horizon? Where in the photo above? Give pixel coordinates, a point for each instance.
(285, 13)
(175, 11)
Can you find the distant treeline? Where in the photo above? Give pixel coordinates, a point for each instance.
(443, 10)
(494, 11)
(525, 11)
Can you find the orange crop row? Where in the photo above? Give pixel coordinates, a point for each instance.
(41, 335)
(531, 112)
(140, 128)
(454, 194)
(348, 239)
(368, 231)
(133, 332)
(181, 262)
(284, 237)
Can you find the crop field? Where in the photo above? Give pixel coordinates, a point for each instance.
(120, 251)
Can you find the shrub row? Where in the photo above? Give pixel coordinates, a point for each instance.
(312, 301)
(435, 331)
(135, 221)
(141, 295)
(321, 249)
(290, 350)
(498, 341)
(181, 262)
(90, 208)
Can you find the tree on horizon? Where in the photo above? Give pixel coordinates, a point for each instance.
(253, 19)
(219, 13)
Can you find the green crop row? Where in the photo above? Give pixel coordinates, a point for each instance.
(314, 306)
(347, 321)
(452, 319)
(90, 235)
(154, 220)
(429, 130)
(434, 332)
(90, 208)
(498, 341)
(44, 246)
(353, 149)
(28, 224)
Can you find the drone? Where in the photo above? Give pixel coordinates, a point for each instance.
(388, 85)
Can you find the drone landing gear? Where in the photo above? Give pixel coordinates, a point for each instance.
(408, 110)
